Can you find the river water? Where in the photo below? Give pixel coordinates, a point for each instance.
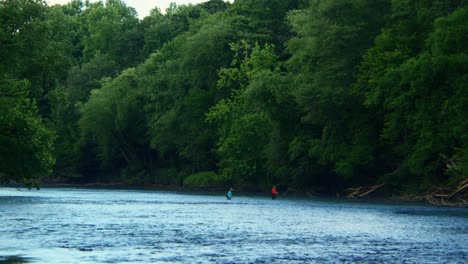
(68, 225)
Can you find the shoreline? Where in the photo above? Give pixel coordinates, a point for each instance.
(216, 190)
(403, 199)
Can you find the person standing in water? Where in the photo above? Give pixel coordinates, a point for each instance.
(274, 193)
(229, 194)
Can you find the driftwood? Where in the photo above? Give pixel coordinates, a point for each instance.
(449, 197)
(362, 192)
(461, 190)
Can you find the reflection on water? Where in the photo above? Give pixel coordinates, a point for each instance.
(89, 226)
(14, 260)
(443, 212)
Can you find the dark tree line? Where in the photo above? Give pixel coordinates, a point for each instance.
(318, 94)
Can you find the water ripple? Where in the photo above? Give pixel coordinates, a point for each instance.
(94, 226)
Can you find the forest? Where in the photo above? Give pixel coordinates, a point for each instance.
(315, 95)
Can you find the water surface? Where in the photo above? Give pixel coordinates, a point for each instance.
(65, 225)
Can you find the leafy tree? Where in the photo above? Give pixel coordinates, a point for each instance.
(157, 30)
(114, 119)
(25, 47)
(112, 30)
(316, 93)
(262, 21)
(213, 6)
(182, 15)
(180, 80)
(243, 120)
(403, 85)
(331, 38)
(26, 145)
(413, 76)
(106, 38)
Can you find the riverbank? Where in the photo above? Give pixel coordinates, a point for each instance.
(439, 197)
(217, 190)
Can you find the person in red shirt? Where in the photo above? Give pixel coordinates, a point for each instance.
(274, 193)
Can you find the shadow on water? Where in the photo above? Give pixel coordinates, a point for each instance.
(445, 212)
(14, 259)
(20, 199)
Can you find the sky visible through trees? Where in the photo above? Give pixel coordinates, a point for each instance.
(143, 8)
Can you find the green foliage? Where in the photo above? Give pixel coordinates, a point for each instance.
(204, 179)
(331, 38)
(26, 71)
(157, 30)
(22, 35)
(243, 120)
(112, 30)
(213, 6)
(320, 94)
(414, 78)
(180, 80)
(262, 20)
(26, 145)
(113, 118)
(35, 46)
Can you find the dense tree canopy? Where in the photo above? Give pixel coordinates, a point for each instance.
(314, 94)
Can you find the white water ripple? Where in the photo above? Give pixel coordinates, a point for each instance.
(123, 226)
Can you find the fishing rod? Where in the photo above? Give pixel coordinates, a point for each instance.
(287, 190)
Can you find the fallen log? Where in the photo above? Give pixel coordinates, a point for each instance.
(449, 197)
(371, 190)
(364, 191)
(355, 191)
(461, 190)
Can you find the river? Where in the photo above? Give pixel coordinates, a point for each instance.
(73, 225)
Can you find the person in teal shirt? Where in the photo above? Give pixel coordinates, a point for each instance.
(229, 194)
